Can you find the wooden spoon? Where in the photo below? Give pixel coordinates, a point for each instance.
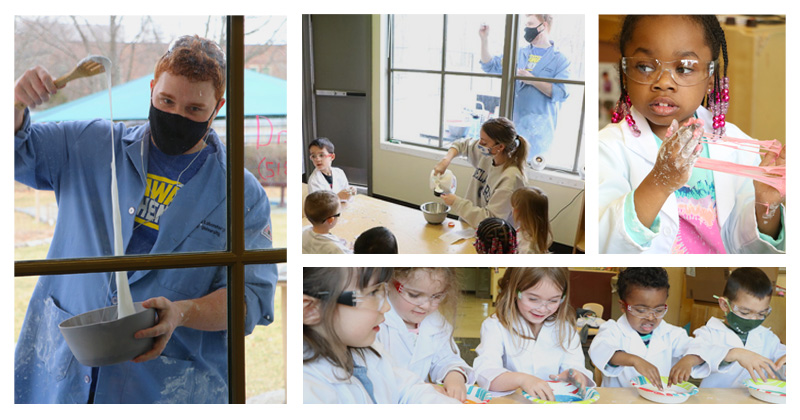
(89, 66)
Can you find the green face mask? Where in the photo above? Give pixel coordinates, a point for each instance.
(741, 325)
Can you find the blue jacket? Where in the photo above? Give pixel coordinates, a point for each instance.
(536, 114)
(72, 159)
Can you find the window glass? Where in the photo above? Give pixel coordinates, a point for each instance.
(468, 102)
(192, 368)
(417, 42)
(168, 204)
(266, 134)
(464, 40)
(265, 353)
(415, 107)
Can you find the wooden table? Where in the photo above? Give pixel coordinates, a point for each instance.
(414, 235)
(631, 396)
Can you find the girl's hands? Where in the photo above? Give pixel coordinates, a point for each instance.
(538, 388)
(677, 154)
(455, 385)
(441, 166)
(575, 378)
(449, 199)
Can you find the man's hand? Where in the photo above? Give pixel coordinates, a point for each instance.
(170, 316)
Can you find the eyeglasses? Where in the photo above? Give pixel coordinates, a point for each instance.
(687, 72)
(537, 303)
(371, 298)
(644, 312)
(318, 156)
(745, 312)
(417, 298)
(335, 215)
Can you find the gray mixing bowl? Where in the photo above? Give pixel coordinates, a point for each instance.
(434, 212)
(98, 338)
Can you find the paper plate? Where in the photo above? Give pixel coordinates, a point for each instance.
(675, 394)
(566, 393)
(477, 395)
(771, 391)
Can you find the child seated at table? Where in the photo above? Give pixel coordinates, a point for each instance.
(322, 209)
(377, 240)
(738, 347)
(324, 176)
(495, 236)
(639, 342)
(529, 208)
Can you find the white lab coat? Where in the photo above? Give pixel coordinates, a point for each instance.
(323, 383)
(500, 352)
(668, 344)
(317, 182)
(428, 353)
(626, 160)
(712, 343)
(323, 243)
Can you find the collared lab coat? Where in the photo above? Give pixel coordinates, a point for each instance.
(490, 188)
(626, 160)
(712, 343)
(72, 158)
(323, 383)
(500, 352)
(317, 182)
(667, 345)
(426, 353)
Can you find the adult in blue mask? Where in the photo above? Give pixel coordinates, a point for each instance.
(172, 181)
(537, 103)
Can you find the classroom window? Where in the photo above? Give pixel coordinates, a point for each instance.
(440, 89)
(262, 143)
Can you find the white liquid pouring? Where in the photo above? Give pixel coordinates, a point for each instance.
(124, 298)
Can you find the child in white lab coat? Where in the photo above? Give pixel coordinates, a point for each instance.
(343, 309)
(322, 209)
(532, 337)
(640, 342)
(417, 332)
(325, 177)
(529, 206)
(738, 347)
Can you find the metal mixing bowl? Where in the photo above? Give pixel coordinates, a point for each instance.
(434, 212)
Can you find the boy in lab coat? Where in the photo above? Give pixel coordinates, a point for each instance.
(639, 342)
(738, 347)
(324, 176)
(322, 209)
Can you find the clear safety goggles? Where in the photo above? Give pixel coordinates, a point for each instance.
(537, 303)
(686, 72)
(316, 156)
(745, 312)
(416, 297)
(373, 297)
(644, 312)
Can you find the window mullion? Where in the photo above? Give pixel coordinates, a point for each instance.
(441, 84)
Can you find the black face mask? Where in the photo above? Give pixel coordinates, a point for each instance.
(175, 134)
(532, 33)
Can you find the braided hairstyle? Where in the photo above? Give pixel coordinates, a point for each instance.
(495, 236)
(716, 100)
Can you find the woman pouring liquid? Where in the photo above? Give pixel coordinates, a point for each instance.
(498, 157)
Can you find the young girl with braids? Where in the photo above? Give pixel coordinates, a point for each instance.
(498, 157)
(530, 208)
(652, 200)
(532, 337)
(495, 236)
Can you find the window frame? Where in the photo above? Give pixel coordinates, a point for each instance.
(235, 258)
(508, 79)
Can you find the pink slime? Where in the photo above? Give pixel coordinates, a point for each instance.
(774, 176)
